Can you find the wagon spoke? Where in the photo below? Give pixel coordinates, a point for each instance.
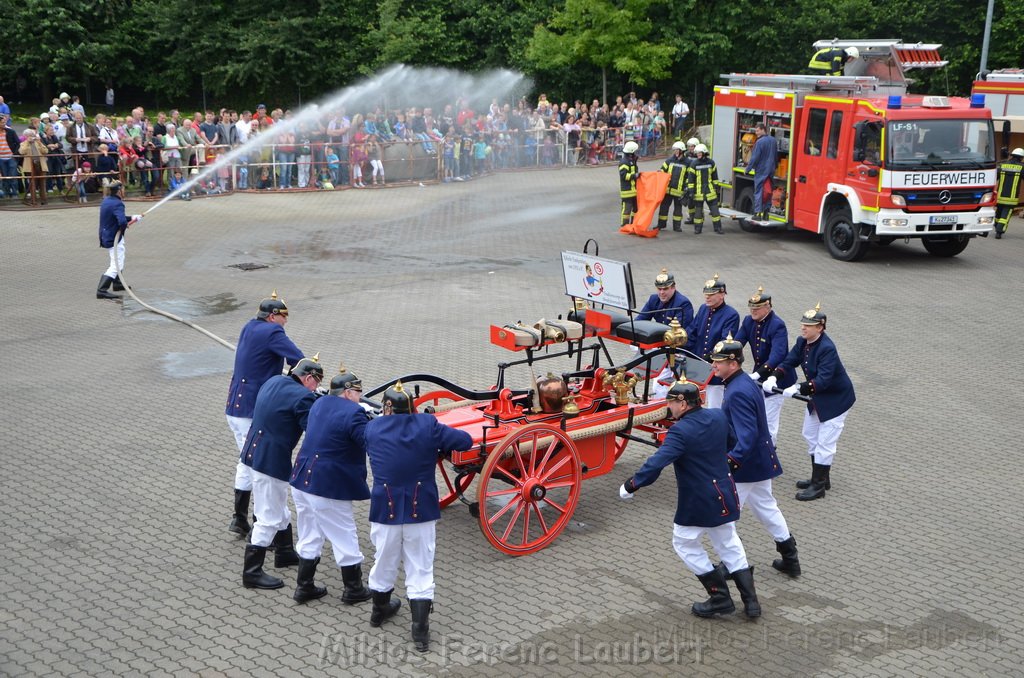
(558, 507)
(516, 501)
(512, 522)
(526, 522)
(516, 481)
(502, 492)
(561, 462)
(540, 517)
(547, 455)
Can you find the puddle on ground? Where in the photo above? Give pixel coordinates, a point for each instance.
(166, 300)
(215, 360)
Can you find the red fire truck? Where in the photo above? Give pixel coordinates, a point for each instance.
(1004, 96)
(860, 160)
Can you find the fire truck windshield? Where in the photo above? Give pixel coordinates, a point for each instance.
(930, 143)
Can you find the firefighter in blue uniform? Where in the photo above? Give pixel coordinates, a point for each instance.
(282, 409)
(403, 448)
(329, 474)
(675, 166)
(831, 60)
(113, 224)
(262, 352)
(766, 334)
(764, 158)
(1008, 189)
(700, 184)
(667, 303)
(831, 393)
(715, 320)
(707, 503)
(752, 458)
(628, 174)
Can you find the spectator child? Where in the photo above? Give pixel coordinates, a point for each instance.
(177, 181)
(376, 154)
(449, 156)
(80, 179)
(333, 165)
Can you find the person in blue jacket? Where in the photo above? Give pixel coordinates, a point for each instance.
(403, 448)
(752, 458)
(113, 224)
(766, 334)
(329, 474)
(764, 158)
(832, 396)
(667, 302)
(707, 502)
(282, 410)
(263, 351)
(714, 321)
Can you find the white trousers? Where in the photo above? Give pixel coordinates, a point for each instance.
(319, 518)
(270, 506)
(116, 254)
(727, 544)
(714, 395)
(764, 507)
(822, 436)
(243, 474)
(412, 547)
(773, 410)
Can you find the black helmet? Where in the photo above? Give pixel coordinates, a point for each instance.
(664, 279)
(272, 306)
(687, 391)
(814, 316)
(309, 366)
(760, 298)
(399, 399)
(344, 380)
(728, 349)
(714, 285)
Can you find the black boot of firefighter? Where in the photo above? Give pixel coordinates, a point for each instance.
(305, 586)
(744, 580)
(421, 608)
(383, 607)
(240, 520)
(102, 289)
(804, 484)
(789, 563)
(720, 601)
(284, 548)
(253, 576)
(817, 486)
(352, 578)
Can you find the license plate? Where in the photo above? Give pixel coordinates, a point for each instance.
(942, 219)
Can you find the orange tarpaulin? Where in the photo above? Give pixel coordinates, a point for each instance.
(650, 191)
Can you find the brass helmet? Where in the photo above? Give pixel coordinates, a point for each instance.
(687, 391)
(399, 399)
(272, 306)
(714, 285)
(814, 316)
(309, 366)
(727, 349)
(551, 389)
(759, 298)
(664, 279)
(344, 380)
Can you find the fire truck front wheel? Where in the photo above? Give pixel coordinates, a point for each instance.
(842, 236)
(945, 245)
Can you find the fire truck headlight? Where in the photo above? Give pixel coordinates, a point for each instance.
(987, 197)
(986, 221)
(899, 201)
(895, 223)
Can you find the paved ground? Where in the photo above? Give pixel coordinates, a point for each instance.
(117, 462)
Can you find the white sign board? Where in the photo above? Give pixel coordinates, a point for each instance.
(601, 281)
(947, 179)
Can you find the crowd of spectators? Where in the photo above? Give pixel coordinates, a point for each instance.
(63, 151)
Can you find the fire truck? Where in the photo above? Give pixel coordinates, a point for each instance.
(1004, 96)
(860, 161)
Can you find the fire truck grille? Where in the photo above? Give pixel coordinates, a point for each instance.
(942, 198)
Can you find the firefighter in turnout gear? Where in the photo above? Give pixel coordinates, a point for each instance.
(675, 167)
(1008, 188)
(627, 181)
(688, 157)
(701, 179)
(830, 61)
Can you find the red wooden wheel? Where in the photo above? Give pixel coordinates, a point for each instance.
(529, 488)
(447, 491)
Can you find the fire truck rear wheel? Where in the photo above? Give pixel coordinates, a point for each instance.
(842, 236)
(745, 204)
(945, 245)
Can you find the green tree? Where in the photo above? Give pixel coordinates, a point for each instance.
(604, 34)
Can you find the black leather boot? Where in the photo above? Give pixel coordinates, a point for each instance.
(240, 521)
(305, 588)
(788, 563)
(816, 488)
(718, 227)
(253, 576)
(101, 290)
(383, 607)
(421, 608)
(355, 592)
(720, 601)
(744, 580)
(118, 286)
(661, 227)
(804, 484)
(284, 548)
(698, 227)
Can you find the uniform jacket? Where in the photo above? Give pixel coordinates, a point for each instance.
(680, 306)
(403, 451)
(675, 167)
(332, 460)
(827, 381)
(113, 221)
(769, 344)
(753, 450)
(627, 179)
(710, 326)
(764, 157)
(702, 176)
(282, 408)
(1008, 183)
(696, 446)
(829, 61)
(263, 349)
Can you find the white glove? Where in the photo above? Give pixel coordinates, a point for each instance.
(623, 494)
(769, 384)
(755, 375)
(135, 218)
(791, 391)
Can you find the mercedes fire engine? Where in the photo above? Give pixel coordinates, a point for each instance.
(860, 160)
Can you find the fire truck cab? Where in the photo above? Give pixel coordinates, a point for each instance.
(859, 160)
